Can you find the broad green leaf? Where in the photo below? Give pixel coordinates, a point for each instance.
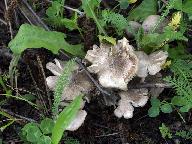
(30, 36)
(110, 40)
(155, 102)
(153, 111)
(32, 132)
(166, 108)
(47, 125)
(64, 119)
(178, 4)
(146, 8)
(185, 108)
(44, 140)
(187, 6)
(178, 101)
(89, 7)
(54, 9)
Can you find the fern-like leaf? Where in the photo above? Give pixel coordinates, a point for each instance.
(62, 82)
(115, 19)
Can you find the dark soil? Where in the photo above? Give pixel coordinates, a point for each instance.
(100, 126)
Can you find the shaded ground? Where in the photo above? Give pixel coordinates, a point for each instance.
(101, 126)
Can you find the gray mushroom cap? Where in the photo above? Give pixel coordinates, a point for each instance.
(115, 65)
(130, 99)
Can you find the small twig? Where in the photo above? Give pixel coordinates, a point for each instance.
(18, 116)
(107, 135)
(44, 78)
(9, 23)
(30, 15)
(2, 21)
(72, 9)
(75, 10)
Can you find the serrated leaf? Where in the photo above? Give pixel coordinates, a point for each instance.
(30, 36)
(166, 108)
(110, 40)
(153, 111)
(47, 125)
(146, 8)
(64, 119)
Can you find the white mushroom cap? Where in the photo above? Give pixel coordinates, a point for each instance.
(115, 65)
(150, 64)
(77, 121)
(129, 100)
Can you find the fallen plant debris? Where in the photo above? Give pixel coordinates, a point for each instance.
(80, 71)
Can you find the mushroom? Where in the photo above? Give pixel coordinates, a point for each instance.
(150, 64)
(129, 100)
(133, 28)
(151, 21)
(115, 65)
(77, 121)
(79, 83)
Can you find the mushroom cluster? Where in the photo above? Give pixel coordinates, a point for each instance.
(114, 66)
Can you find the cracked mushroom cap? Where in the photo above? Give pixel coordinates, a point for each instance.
(115, 65)
(77, 121)
(79, 82)
(150, 64)
(130, 99)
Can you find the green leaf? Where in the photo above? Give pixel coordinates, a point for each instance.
(115, 19)
(185, 108)
(178, 101)
(64, 119)
(153, 111)
(30, 36)
(155, 102)
(178, 4)
(44, 140)
(146, 8)
(166, 108)
(47, 125)
(89, 7)
(54, 9)
(187, 6)
(110, 40)
(32, 132)
(165, 131)
(123, 4)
